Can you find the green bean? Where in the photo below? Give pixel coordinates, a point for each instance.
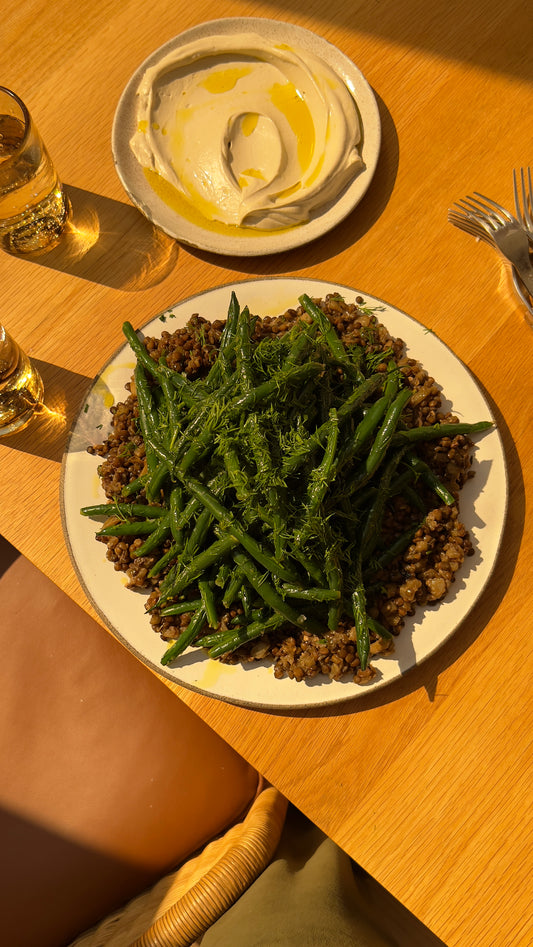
(158, 449)
(239, 479)
(231, 641)
(166, 559)
(194, 505)
(311, 566)
(233, 588)
(335, 583)
(198, 534)
(170, 403)
(378, 629)
(311, 595)
(363, 432)
(414, 498)
(207, 641)
(361, 624)
(186, 638)
(125, 510)
(209, 602)
(436, 431)
(320, 480)
(255, 614)
(392, 383)
(265, 471)
(291, 377)
(372, 526)
(301, 343)
(175, 505)
(145, 359)
(395, 549)
(223, 575)
(188, 392)
(135, 486)
(386, 431)
(155, 540)
(430, 478)
(243, 351)
(246, 595)
(364, 390)
(181, 608)
(128, 528)
(221, 369)
(333, 341)
(326, 470)
(144, 400)
(139, 350)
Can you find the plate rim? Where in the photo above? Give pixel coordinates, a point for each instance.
(356, 691)
(129, 171)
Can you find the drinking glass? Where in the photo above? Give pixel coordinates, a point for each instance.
(21, 386)
(34, 208)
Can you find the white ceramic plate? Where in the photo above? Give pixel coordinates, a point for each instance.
(156, 210)
(483, 510)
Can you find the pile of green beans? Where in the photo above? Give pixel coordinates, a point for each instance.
(267, 481)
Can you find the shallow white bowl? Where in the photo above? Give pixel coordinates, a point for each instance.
(163, 216)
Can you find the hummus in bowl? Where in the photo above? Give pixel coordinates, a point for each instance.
(246, 136)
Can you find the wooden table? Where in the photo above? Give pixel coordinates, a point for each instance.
(427, 784)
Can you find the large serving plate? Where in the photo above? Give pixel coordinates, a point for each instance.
(225, 242)
(483, 509)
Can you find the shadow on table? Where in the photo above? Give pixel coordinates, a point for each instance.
(389, 917)
(46, 434)
(496, 37)
(8, 554)
(426, 675)
(111, 243)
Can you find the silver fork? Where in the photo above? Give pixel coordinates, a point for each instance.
(488, 220)
(524, 210)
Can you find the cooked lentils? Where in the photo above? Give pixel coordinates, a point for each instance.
(422, 575)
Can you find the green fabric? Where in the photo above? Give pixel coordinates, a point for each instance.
(309, 895)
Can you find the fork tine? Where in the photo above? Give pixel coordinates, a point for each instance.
(518, 208)
(505, 215)
(524, 207)
(468, 225)
(479, 235)
(527, 199)
(466, 207)
(475, 210)
(470, 211)
(521, 205)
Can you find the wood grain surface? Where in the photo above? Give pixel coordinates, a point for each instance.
(427, 784)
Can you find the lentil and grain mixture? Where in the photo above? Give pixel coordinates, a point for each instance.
(420, 573)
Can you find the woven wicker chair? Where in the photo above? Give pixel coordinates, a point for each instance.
(184, 904)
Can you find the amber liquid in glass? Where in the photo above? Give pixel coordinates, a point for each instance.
(33, 205)
(21, 387)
